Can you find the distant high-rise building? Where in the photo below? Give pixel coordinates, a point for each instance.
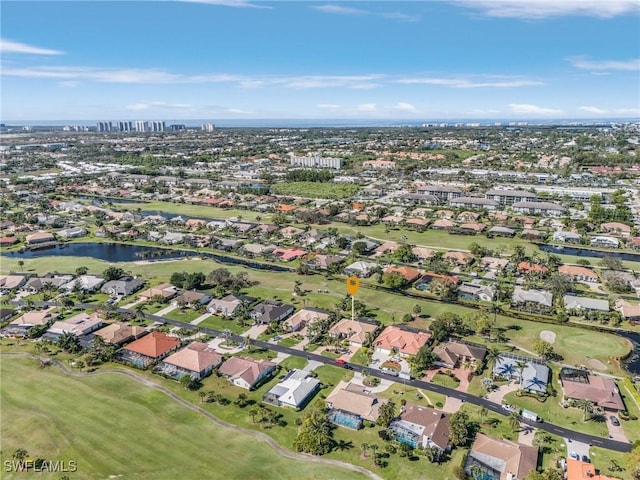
(177, 127)
(125, 126)
(208, 127)
(104, 126)
(141, 126)
(156, 126)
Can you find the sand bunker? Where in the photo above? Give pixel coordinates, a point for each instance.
(548, 336)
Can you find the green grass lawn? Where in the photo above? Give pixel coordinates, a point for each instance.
(330, 376)
(292, 362)
(551, 411)
(221, 323)
(604, 460)
(186, 315)
(115, 426)
(398, 392)
(360, 357)
(494, 425)
(289, 342)
(445, 380)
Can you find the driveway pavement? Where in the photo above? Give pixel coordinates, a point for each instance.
(254, 331)
(616, 433)
(452, 405)
(312, 365)
(200, 319)
(166, 310)
(526, 434)
(497, 395)
(461, 374)
(381, 387)
(578, 447)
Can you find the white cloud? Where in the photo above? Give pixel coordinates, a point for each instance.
(595, 110)
(340, 10)
(404, 107)
(367, 107)
(536, 9)
(599, 65)
(526, 109)
(228, 3)
(490, 82)
(157, 104)
(350, 11)
(328, 106)
(326, 81)
(8, 46)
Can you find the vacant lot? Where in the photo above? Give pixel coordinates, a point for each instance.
(114, 426)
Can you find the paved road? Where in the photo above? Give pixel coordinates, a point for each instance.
(432, 387)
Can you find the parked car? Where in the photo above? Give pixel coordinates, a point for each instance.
(585, 459)
(340, 361)
(574, 455)
(614, 421)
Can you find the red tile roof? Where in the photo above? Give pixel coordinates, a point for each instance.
(154, 345)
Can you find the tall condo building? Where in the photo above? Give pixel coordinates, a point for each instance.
(316, 161)
(125, 126)
(141, 126)
(208, 127)
(104, 126)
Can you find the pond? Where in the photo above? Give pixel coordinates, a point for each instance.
(122, 252)
(587, 252)
(97, 201)
(632, 363)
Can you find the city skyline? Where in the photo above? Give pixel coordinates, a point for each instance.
(239, 60)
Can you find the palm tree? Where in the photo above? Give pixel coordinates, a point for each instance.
(20, 455)
(365, 447)
(483, 414)
(374, 447)
(514, 421)
(253, 412)
(521, 365)
(586, 406)
(493, 355)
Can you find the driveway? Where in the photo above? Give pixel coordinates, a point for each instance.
(381, 387)
(497, 395)
(452, 405)
(200, 319)
(254, 331)
(526, 434)
(616, 433)
(577, 447)
(460, 373)
(166, 310)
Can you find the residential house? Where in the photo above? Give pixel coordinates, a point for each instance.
(442, 224)
(6, 314)
(500, 459)
(580, 470)
(422, 427)
(535, 374)
(476, 292)
(573, 304)
(386, 247)
(291, 232)
(628, 310)
(494, 264)
(79, 325)
(461, 259)
(499, 231)
(532, 234)
(8, 241)
(567, 237)
(409, 274)
(164, 290)
(604, 241)
(472, 228)
(39, 238)
(396, 341)
(616, 228)
(323, 262)
(196, 360)
(527, 267)
(229, 305)
(192, 299)
(428, 277)
(269, 311)
(148, 349)
(578, 273)
(87, 283)
(452, 354)
(256, 249)
(122, 287)
(19, 327)
(361, 269)
(172, 238)
(351, 405)
(583, 385)
(532, 300)
(120, 332)
(12, 282)
(295, 390)
(356, 332)
(422, 253)
(72, 232)
(304, 317)
(288, 254)
(246, 372)
(417, 223)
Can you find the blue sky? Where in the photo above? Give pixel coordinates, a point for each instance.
(234, 59)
